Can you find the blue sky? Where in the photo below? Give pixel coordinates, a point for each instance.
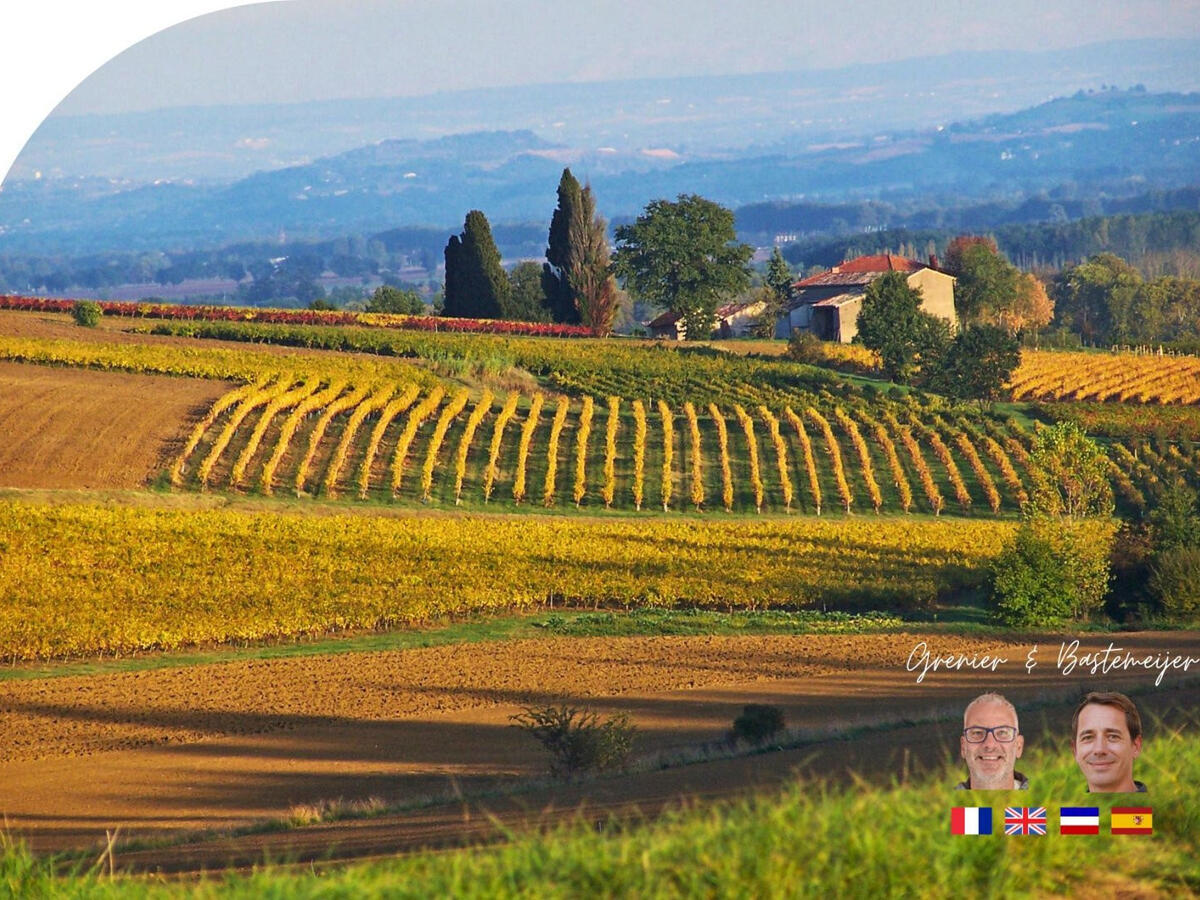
(134, 54)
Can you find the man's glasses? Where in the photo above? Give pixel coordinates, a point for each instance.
(978, 734)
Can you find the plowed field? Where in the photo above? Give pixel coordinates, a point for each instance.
(218, 746)
(77, 428)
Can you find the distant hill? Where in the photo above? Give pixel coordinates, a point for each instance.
(696, 117)
(1090, 148)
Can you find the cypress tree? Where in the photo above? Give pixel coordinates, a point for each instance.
(555, 280)
(452, 299)
(476, 284)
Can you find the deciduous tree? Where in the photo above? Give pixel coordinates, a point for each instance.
(527, 297)
(388, 299)
(683, 256)
(1031, 309)
(1068, 474)
(986, 283)
(1097, 298)
(1057, 566)
(977, 364)
(893, 324)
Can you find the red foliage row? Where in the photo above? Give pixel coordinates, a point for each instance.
(300, 317)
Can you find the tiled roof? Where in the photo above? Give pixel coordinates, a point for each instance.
(883, 262)
(863, 270)
(663, 320)
(818, 293)
(730, 309)
(827, 279)
(669, 318)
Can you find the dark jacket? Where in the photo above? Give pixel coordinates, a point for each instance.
(1022, 783)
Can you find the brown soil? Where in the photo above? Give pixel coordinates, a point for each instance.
(77, 428)
(224, 745)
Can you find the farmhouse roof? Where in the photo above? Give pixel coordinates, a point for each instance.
(862, 270)
(669, 318)
(662, 320)
(882, 262)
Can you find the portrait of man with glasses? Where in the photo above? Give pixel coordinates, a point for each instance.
(991, 744)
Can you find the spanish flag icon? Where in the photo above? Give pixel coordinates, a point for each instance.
(1132, 820)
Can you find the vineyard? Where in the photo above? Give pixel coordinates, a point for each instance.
(1124, 377)
(204, 362)
(389, 441)
(624, 427)
(122, 579)
(601, 368)
(1107, 377)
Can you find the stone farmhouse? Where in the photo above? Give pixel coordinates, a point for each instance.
(732, 320)
(828, 304)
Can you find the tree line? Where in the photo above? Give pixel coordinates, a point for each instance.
(1156, 243)
(681, 255)
(575, 285)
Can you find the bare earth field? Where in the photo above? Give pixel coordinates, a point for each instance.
(77, 428)
(162, 752)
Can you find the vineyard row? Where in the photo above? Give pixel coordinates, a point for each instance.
(384, 441)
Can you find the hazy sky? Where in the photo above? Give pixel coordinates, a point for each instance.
(306, 49)
(293, 50)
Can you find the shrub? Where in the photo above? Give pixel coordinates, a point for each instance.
(1175, 581)
(86, 313)
(1029, 587)
(757, 724)
(577, 740)
(1052, 572)
(1132, 554)
(806, 347)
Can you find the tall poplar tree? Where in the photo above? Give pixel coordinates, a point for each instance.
(476, 284)
(589, 274)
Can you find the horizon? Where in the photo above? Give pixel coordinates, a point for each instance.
(98, 52)
(57, 113)
(283, 52)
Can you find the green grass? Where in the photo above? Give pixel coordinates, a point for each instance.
(810, 840)
(558, 623)
(706, 622)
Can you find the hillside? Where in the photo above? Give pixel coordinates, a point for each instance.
(305, 632)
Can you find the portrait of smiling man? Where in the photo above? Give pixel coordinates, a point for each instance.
(991, 744)
(1106, 737)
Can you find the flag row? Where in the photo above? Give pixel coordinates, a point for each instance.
(1033, 820)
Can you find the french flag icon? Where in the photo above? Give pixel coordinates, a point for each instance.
(971, 820)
